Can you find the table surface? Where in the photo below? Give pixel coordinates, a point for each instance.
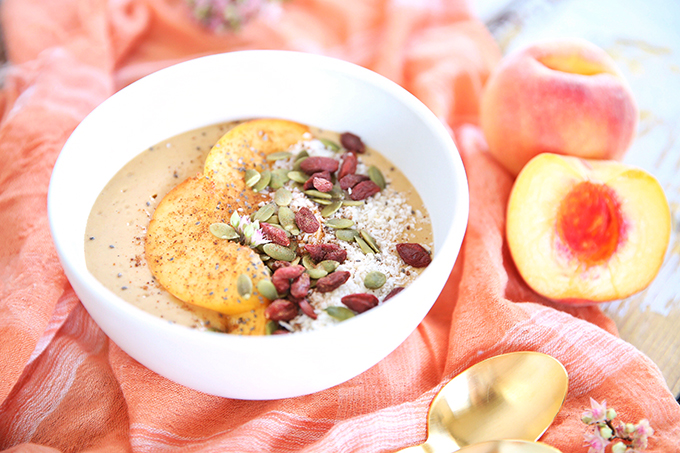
(643, 37)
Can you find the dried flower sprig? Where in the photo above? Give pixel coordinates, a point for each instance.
(241, 229)
(250, 232)
(603, 431)
(224, 15)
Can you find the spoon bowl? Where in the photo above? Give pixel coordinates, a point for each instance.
(509, 446)
(509, 396)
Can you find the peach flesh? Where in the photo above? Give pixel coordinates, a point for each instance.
(590, 222)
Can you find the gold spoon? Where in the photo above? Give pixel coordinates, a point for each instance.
(509, 446)
(509, 396)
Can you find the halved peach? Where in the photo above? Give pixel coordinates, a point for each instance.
(584, 231)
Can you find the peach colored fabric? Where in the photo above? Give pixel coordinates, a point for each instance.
(64, 387)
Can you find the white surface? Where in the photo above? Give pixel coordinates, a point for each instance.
(309, 89)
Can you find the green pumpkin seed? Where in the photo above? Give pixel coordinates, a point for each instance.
(364, 246)
(374, 280)
(278, 156)
(337, 193)
(298, 163)
(265, 178)
(352, 202)
(286, 218)
(283, 197)
(369, 240)
(296, 261)
(331, 209)
(328, 265)
(244, 286)
(271, 327)
(339, 313)
(330, 144)
(339, 223)
(316, 273)
(267, 289)
(265, 212)
(318, 194)
(376, 176)
(252, 177)
(279, 178)
(223, 231)
(321, 201)
(302, 154)
(346, 235)
(307, 262)
(273, 220)
(298, 176)
(279, 252)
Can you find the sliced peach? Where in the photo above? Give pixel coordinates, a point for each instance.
(583, 231)
(247, 146)
(193, 264)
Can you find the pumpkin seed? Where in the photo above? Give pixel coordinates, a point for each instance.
(352, 202)
(374, 280)
(265, 212)
(265, 178)
(339, 313)
(339, 223)
(271, 327)
(223, 231)
(252, 177)
(267, 289)
(302, 154)
(369, 240)
(298, 162)
(287, 218)
(318, 194)
(244, 286)
(278, 156)
(279, 178)
(283, 197)
(330, 144)
(298, 176)
(279, 252)
(337, 193)
(376, 176)
(316, 273)
(331, 209)
(321, 201)
(364, 246)
(307, 262)
(346, 235)
(273, 220)
(328, 265)
(296, 261)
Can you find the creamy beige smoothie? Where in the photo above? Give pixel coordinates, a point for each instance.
(116, 228)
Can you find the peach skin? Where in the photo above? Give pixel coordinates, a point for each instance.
(586, 231)
(564, 97)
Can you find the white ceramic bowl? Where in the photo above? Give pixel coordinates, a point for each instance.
(310, 89)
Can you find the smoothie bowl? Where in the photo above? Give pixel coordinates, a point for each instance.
(259, 234)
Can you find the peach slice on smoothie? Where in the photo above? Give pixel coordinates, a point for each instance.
(186, 258)
(586, 231)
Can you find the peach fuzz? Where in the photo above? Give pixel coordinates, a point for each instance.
(586, 231)
(565, 97)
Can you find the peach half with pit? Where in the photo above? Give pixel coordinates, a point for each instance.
(586, 231)
(565, 97)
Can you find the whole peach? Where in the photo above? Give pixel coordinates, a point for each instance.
(564, 97)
